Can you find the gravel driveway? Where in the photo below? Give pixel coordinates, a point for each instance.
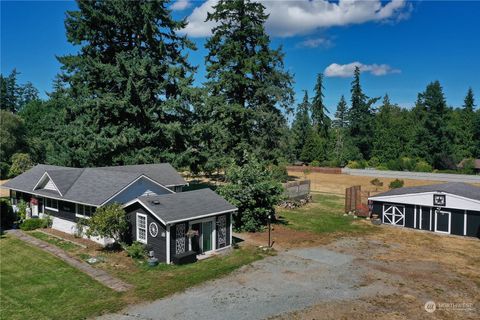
(292, 280)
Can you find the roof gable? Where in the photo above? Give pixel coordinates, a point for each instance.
(46, 183)
(92, 185)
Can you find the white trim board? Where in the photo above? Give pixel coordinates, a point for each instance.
(50, 178)
(449, 221)
(138, 214)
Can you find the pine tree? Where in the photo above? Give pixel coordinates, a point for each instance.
(361, 117)
(469, 102)
(341, 115)
(129, 82)
(248, 76)
(432, 138)
(320, 120)
(301, 125)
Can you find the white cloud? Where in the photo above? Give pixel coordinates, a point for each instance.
(293, 17)
(315, 43)
(180, 5)
(346, 70)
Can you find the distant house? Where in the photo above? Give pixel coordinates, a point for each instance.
(160, 214)
(476, 165)
(450, 208)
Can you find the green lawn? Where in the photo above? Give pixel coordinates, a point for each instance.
(36, 285)
(323, 215)
(65, 245)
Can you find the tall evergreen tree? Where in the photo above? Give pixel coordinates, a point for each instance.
(341, 115)
(249, 77)
(469, 102)
(129, 82)
(320, 119)
(361, 117)
(301, 126)
(431, 118)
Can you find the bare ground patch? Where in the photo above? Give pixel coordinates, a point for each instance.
(419, 266)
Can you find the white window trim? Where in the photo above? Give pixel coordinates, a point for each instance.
(79, 215)
(146, 228)
(449, 221)
(50, 208)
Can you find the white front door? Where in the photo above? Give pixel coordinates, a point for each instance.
(393, 214)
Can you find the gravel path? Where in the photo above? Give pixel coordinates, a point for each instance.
(290, 281)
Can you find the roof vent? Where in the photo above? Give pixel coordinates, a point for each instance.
(155, 202)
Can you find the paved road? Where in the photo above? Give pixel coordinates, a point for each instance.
(289, 281)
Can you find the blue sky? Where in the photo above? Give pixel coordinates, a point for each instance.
(402, 46)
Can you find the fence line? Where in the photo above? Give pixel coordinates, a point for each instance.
(314, 169)
(450, 177)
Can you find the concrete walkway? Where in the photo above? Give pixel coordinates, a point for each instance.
(97, 274)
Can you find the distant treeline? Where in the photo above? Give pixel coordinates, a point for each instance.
(128, 97)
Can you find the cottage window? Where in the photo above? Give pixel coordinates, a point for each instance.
(84, 211)
(141, 227)
(51, 204)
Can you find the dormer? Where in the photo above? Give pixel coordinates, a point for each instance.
(46, 183)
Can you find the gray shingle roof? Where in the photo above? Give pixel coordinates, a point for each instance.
(456, 188)
(186, 205)
(93, 185)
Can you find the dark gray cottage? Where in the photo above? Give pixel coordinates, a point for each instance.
(449, 208)
(163, 217)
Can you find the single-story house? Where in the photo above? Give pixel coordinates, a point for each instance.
(449, 208)
(167, 220)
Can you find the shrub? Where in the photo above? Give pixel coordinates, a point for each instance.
(468, 166)
(423, 166)
(22, 209)
(395, 165)
(354, 164)
(7, 216)
(136, 250)
(382, 167)
(315, 163)
(374, 162)
(396, 184)
(109, 221)
(34, 223)
(376, 182)
(21, 162)
(407, 164)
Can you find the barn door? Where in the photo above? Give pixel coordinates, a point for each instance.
(394, 214)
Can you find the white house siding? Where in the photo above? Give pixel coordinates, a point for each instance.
(71, 227)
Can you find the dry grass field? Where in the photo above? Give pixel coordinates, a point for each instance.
(337, 183)
(3, 192)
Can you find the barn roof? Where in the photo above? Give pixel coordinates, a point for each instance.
(187, 205)
(92, 185)
(456, 188)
